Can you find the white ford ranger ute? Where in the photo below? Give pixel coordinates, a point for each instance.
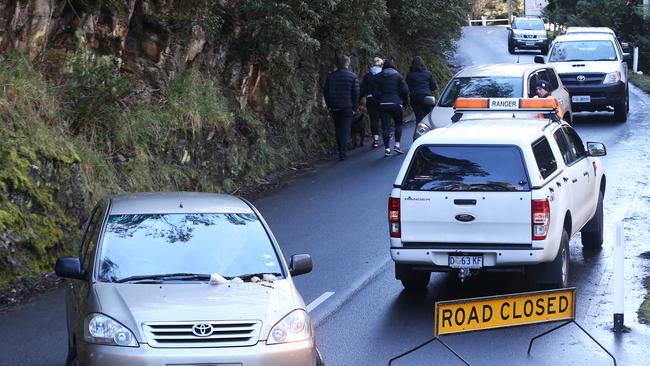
(505, 187)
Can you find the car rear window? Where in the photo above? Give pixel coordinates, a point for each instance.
(482, 86)
(583, 51)
(466, 168)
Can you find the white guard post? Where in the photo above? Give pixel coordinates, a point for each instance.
(635, 60)
(619, 296)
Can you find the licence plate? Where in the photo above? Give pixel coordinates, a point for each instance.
(581, 99)
(530, 43)
(465, 261)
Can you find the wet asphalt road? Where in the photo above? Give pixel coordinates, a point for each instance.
(337, 213)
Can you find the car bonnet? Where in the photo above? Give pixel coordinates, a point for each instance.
(135, 304)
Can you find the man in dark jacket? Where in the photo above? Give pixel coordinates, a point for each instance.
(393, 95)
(421, 84)
(372, 105)
(342, 98)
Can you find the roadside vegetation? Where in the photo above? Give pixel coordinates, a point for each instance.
(642, 81)
(80, 120)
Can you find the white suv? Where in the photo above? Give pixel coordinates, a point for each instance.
(496, 191)
(593, 68)
(495, 81)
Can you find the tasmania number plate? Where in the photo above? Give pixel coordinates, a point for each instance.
(465, 261)
(581, 99)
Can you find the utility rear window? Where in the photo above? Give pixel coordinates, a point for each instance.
(466, 168)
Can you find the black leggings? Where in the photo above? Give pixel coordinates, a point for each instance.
(419, 108)
(388, 111)
(373, 113)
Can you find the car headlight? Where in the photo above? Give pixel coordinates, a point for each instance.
(422, 128)
(294, 327)
(100, 329)
(612, 77)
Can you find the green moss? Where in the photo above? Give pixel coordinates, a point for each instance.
(641, 81)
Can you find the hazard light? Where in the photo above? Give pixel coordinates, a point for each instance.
(470, 103)
(539, 103)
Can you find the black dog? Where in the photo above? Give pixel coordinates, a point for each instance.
(358, 128)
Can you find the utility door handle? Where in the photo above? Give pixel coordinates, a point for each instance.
(574, 180)
(586, 174)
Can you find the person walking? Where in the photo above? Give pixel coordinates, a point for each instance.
(393, 95)
(421, 84)
(368, 86)
(342, 98)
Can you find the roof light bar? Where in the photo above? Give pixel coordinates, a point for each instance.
(506, 104)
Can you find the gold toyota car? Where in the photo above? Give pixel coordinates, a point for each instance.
(184, 279)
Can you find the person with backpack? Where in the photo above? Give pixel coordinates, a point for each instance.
(372, 105)
(421, 84)
(393, 95)
(342, 98)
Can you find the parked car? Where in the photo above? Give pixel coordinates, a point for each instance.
(594, 69)
(184, 278)
(494, 81)
(528, 33)
(504, 188)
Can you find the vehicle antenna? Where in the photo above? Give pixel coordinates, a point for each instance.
(180, 202)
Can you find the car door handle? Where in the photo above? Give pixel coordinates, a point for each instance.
(574, 180)
(586, 174)
(558, 184)
(565, 179)
(551, 189)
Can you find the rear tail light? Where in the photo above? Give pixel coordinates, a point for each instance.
(541, 218)
(393, 217)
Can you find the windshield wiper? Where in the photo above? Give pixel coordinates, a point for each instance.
(167, 276)
(248, 276)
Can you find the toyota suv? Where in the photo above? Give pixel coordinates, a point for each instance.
(495, 81)
(184, 279)
(503, 188)
(528, 33)
(593, 68)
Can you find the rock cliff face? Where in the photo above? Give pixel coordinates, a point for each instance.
(106, 96)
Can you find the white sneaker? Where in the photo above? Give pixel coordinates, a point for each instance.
(387, 152)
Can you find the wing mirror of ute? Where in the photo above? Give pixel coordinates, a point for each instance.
(509, 28)
(626, 56)
(429, 100)
(539, 59)
(596, 149)
(300, 264)
(625, 46)
(69, 267)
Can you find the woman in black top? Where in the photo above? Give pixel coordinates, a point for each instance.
(421, 84)
(393, 95)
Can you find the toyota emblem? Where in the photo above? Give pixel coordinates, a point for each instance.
(581, 78)
(202, 329)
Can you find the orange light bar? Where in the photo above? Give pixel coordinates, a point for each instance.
(461, 103)
(539, 103)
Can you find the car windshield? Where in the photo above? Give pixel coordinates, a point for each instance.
(582, 51)
(481, 86)
(185, 247)
(466, 168)
(529, 24)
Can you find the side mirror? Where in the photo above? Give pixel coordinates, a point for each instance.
(509, 28)
(429, 100)
(539, 59)
(300, 264)
(625, 46)
(69, 267)
(596, 149)
(626, 56)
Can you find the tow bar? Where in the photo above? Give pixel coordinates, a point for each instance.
(463, 273)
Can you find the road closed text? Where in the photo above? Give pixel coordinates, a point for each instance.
(504, 311)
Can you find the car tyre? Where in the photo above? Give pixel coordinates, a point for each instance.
(71, 359)
(544, 50)
(413, 281)
(621, 109)
(511, 48)
(555, 274)
(592, 233)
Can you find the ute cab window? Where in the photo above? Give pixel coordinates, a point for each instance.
(467, 168)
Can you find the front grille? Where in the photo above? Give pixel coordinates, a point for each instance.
(589, 79)
(530, 36)
(222, 334)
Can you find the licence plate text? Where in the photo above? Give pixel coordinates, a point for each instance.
(465, 261)
(581, 99)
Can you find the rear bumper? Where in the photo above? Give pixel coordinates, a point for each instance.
(601, 95)
(438, 259)
(289, 354)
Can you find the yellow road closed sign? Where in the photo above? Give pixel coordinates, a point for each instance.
(504, 311)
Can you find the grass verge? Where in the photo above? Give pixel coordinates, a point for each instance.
(641, 81)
